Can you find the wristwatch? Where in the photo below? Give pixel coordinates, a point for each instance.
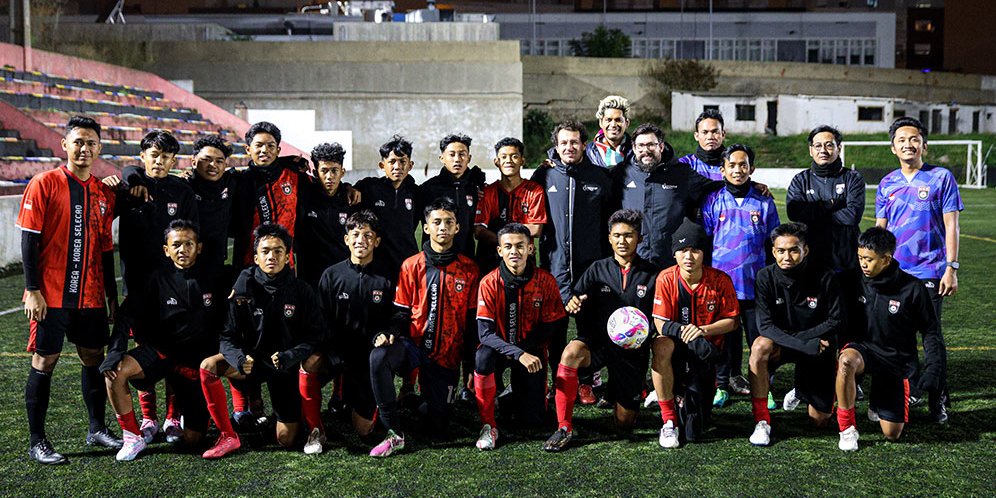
(954, 265)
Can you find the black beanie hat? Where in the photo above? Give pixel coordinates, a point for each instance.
(689, 234)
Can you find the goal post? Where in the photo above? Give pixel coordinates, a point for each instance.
(975, 171)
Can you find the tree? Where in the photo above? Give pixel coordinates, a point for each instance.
(601, 43)
(536, 128)
(664, 76)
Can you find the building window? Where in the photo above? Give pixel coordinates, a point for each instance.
(923, 25)
(745, 112)
(869, 52)
(921, 49)
(898, 113)
(871, 113)
(975, 121)
(710, 108)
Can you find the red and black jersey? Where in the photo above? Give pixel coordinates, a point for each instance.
(517, 312)
(523, 204)
(74, 219)
(439, 299)
(272, 196)
(713, 299)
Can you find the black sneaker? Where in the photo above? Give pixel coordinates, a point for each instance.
(558, 441)
(104, 438)
(938, 410)
(43, 452)
(467, 396)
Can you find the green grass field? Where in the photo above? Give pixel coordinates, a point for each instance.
(956, 459)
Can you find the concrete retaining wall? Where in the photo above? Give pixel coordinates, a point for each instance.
(10, 236)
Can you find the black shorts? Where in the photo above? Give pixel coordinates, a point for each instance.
(815, 376)
(285, 395)
(890, 392)
(357, 390)
(183, 377)
(86, 328)
(627, 370)
(528, 400)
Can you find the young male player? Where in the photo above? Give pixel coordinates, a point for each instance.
(274, 322)
(920, 204)
(518, 310)
(215, 190)
(611, 145)
(704, 302)
(175, 322)
(739, 219)
(799, 315)
(461, 184)
(624, 279)
(710, 132)
(889, 306)
(325, 209)
(434, 303)
(69, 289)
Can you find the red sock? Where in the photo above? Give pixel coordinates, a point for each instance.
(485, 391)
(667, 410)
(172, 410)
(129, 424)
(845, 418)
(147, 401)
(566, 384)
(240, 399)
(311, 399)
(217, 404)
(760, 408)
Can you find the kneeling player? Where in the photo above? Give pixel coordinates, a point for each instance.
(889, 306)
(176, 322)
(608, 284)
(704, 302)
(273, 324)
(518, 310)
(357, 303)
(799, 316)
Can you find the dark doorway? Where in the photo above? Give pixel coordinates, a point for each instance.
(772, 124)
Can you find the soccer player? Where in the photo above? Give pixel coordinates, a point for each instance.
(215, 190)
(710, 132)
(830, 200)
(703, 301)
(889, 306)
(357, 303)
(920, 204)
(325, 209)
(623, 279)
(799, 315)
(69, 289)
(434, 303)
(611, 145)
(461, 184)
(274, 322)
(739, 219)
(175, 323)
(518, 310)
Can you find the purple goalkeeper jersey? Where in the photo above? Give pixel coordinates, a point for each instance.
(710, 172)
(739, 231)
(915, 213)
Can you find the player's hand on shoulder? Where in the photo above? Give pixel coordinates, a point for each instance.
(353, 196)
(574, 304)
(763, 190)
(112, 181)
(531, 362)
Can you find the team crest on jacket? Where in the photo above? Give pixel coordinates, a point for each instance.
(641, 290)
(893, 306)
(408, 204)
(538, 302)
(342, 218)
(459, 284)
(207, 299)
(722, 217)
(286, 187)
(839, 188)
(525, 208)
(711, 306)
(811, 302)
(224, 193)
(378, 295)
(288, 310)
(171, 208)
(470, 201)
(922, 193)
(100, 203)
(755, 217)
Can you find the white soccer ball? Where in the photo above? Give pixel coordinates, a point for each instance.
(628, 327)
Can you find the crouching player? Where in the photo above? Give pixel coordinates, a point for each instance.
(518, 311)
(176, 321)
(434, 302)
(890, 306)
(703, 301)
(799, 316)
(357, 304)
(273, 324)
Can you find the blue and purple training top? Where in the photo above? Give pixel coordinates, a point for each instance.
(739, 228)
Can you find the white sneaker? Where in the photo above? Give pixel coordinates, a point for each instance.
(873, 415)
(761, 435)
(133, 444)
(651, 399)
(149, 429)
(315, 443)
(669, 435)
(849, 439)
(173, 429)
(790, 402)
(488, 438)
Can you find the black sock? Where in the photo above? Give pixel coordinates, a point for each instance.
(388, 413)
(94, 395)
(36, 396)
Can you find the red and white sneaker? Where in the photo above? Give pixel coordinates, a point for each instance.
(149, 429)
(488, 438)
(389, 445)
(173, 429)
(132, 446)
(227, 443)
(586, 396)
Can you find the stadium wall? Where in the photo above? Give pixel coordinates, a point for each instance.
(10, 236)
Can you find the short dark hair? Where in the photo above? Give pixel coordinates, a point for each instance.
(440, 204)
(510, 142)
(630, 217)
(710, 114)
(213, 141)
(454, 138)
(83, 122)
(740, 148)
(878, 240)
(907, 121)
(160, 139)
(515, 229)
(791, 229)
(330, 152)
(263, 127)
(271, 230)
(569, 125)
(837, 137)
(398, 145)
(180, 224)
(645, 128)
(364, 217)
